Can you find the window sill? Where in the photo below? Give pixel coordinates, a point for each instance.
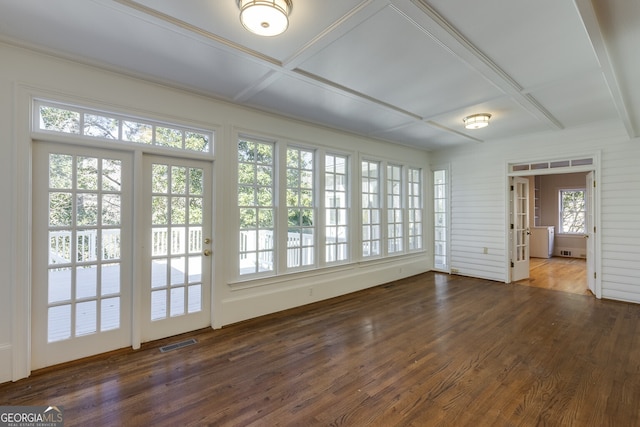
(259, 281)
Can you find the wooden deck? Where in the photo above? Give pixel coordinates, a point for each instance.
(431, 350)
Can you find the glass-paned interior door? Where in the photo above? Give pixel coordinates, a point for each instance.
(440, 223)
(178, 246)
(81, 252)
(520, 230)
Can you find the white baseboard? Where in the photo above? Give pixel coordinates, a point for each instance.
(306, 291)
(6, 356)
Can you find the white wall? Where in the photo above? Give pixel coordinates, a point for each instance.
(478, 180)
(25, 73)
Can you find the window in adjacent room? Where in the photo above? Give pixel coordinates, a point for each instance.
(572, 211)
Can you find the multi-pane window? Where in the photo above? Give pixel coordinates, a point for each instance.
(414, 190)
(440, 227)
(256, 206)
(336, 200)
(395, 221)
(572, 211)
(391, 208)
(371, 209)
(300, 208)
(66, 119)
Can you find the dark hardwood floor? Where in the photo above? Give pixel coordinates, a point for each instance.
(431, 350)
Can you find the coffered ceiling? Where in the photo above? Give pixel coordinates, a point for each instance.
(404, 71)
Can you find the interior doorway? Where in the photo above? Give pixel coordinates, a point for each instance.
(559, 257)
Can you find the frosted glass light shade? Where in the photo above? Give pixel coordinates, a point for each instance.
(265, 17)
(477, 121)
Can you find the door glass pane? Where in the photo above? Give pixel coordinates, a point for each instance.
(110, 314)
(177, 271)
(195, 298)
(110, 279)
(86, 278)
(59, 321)
(86, 319)
(59, 284)
(158, 305)
(177, 301)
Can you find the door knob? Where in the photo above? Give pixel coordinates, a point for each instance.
(207, 252)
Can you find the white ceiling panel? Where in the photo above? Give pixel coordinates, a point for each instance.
(404, 67)
(533, 41)
(121, 41)
(422, 135)
(573, 105)
(300, 99)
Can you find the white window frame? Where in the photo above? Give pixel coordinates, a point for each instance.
(395, 195)
(261, 246)
(415, 209)
(303, 248)
(372, 213)
(561, 191)
(337, 227)
(119, 136)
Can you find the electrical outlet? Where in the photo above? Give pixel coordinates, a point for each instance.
(454, 271)
(485, 250)
(310, 292)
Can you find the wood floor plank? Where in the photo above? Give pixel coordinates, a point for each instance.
(431, 350)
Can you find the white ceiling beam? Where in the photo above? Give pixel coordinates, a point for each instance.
(590, 21)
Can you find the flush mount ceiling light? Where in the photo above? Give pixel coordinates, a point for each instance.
(477, 121)
(265, 17)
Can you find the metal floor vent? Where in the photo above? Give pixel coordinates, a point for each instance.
(178, 345)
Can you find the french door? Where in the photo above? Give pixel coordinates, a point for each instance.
(590, 234)
(177, 250)
(520, 230)
(82, 251)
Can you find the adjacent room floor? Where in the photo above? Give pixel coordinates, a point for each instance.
(559, 274)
